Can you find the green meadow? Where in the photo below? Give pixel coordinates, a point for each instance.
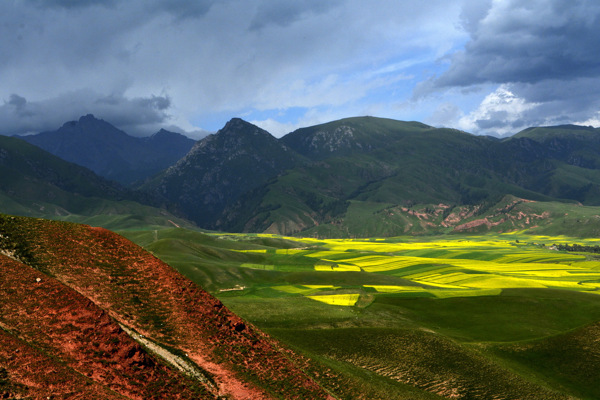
(490, 316)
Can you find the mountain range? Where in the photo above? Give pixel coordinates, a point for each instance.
(110, 152)
(36, 183)
(361, 176)
(369, 176)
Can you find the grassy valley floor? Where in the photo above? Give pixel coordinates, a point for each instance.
(498, 316)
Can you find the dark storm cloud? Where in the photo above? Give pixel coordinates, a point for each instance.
(137, 116)
(134, 113)
(527, 42)
(559, 102)
(493, 122)
(542, 53)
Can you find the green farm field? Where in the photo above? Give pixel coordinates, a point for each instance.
(499, 316)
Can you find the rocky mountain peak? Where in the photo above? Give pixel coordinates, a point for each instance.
(237, 126)
(237, 136)
(165, 134)
(88, 125)
(88, 118)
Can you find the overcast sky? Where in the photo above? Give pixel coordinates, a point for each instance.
(484, 66)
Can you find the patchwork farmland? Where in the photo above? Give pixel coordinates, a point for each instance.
(494, 316)
(474, 266)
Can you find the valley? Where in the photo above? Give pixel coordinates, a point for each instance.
(452, 316)
(365, 258)
(299, 200)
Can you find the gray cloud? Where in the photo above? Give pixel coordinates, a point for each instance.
(216, 58)
(69, 4)
(527, 42)
(513, 107)
(496, 120)
(285, 13)
(543, 52)
(210, 58)
(17, 102)
(473, 13)
(137, 116)
(181, 9)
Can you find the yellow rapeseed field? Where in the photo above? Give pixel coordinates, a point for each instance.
(337, 299)
(442, 267)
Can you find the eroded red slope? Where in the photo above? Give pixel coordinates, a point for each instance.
(146, 295)
(56, 342)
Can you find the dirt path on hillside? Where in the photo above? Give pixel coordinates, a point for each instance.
(173, 360)
(228, 385)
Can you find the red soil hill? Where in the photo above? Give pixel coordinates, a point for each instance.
(97, 290)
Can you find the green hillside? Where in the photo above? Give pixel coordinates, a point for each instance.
(545, 133)
(350, 136)
(367, 173)
(35, 183)
(221, 168)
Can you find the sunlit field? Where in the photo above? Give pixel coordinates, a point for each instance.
(477, 266)
(503, 315)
